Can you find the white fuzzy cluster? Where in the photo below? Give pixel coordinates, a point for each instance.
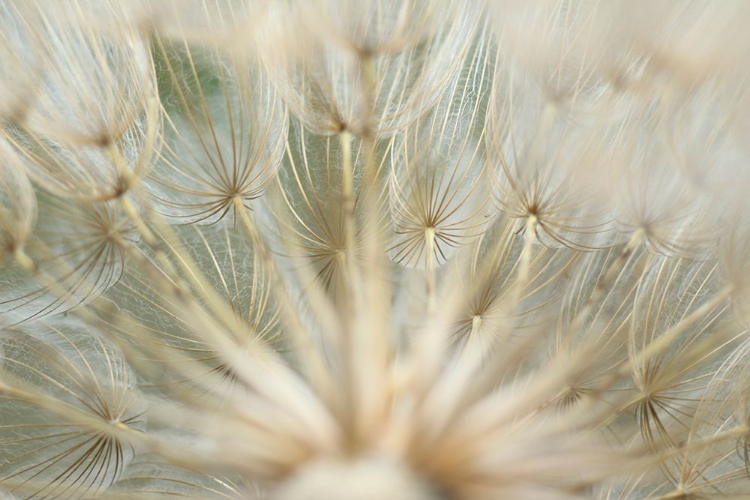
(374, 249)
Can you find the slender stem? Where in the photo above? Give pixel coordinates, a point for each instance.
(350, 280)
(311, 361)
(429, 235)
(347, 201)
(524, 263)
(447, 401)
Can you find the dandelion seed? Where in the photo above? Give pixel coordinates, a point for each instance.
(90, 127)
(65, 364)
(65, 265)
(224, 138)
(382, 65)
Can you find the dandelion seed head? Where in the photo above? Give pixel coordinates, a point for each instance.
(415, 250)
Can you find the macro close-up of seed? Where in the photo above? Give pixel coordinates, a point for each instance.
(374, 249)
